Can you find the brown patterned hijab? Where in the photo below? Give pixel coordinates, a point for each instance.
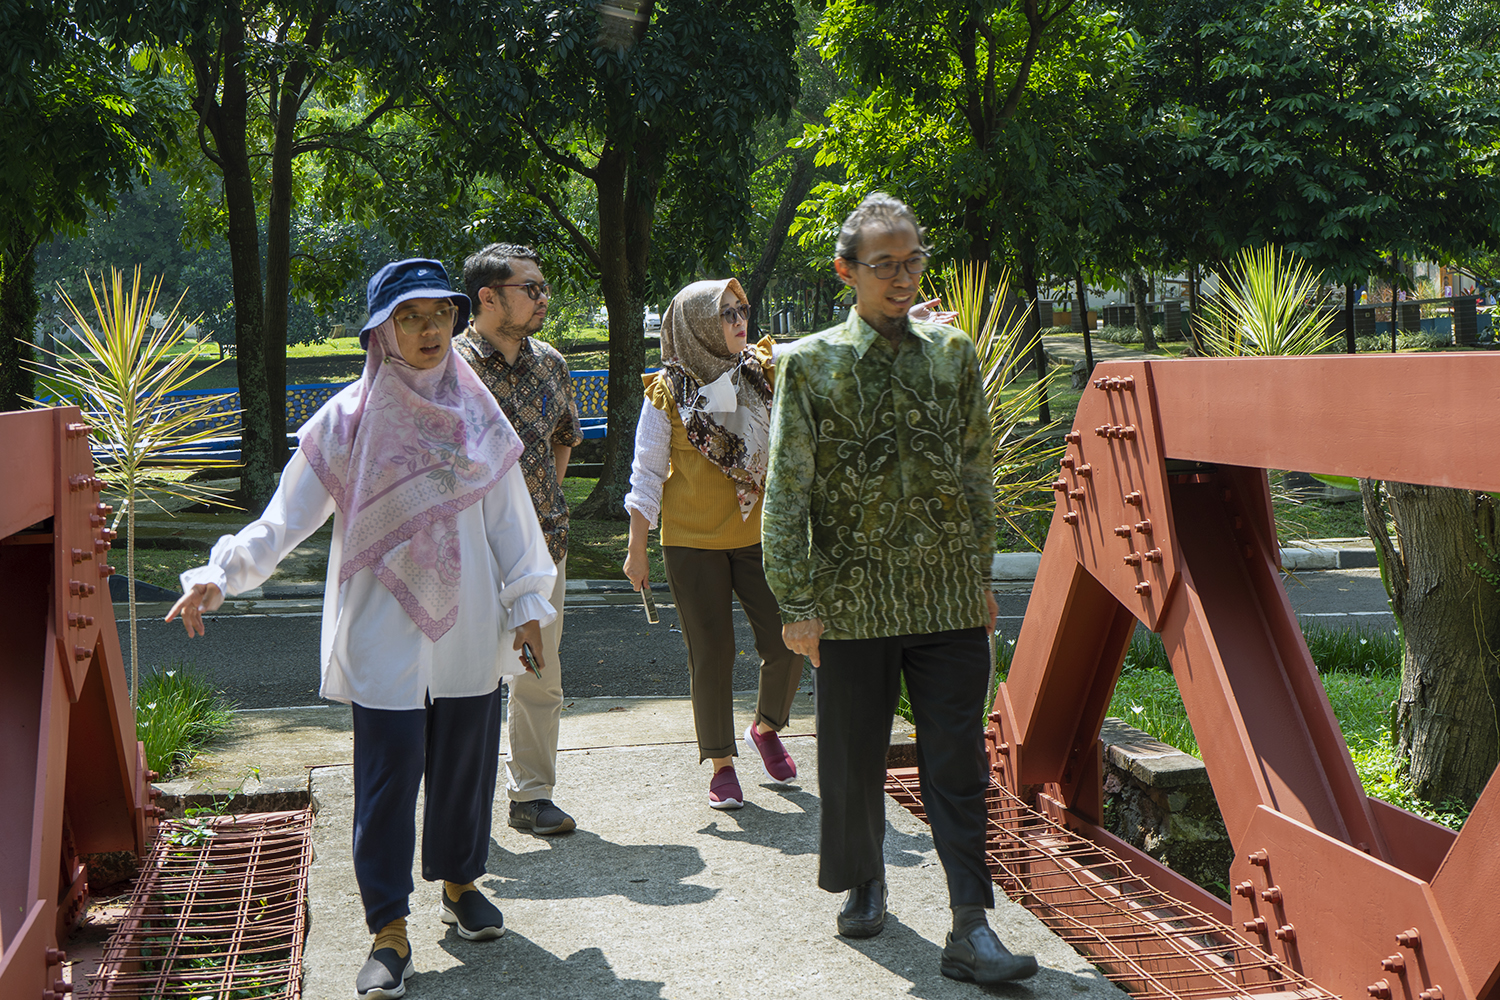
(702, 372)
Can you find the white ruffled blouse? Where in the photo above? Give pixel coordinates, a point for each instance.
(373, 653)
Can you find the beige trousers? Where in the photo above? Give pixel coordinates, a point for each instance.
(534, 707)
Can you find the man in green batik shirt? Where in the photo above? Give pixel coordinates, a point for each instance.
(878, 528)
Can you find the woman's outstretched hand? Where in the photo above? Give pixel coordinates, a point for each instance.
(203, 597)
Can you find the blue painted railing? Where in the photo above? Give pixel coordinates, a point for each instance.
(302, 401)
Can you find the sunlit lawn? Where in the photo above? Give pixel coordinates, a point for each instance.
(1361, 674)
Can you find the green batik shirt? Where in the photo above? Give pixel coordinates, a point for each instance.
(879, 512)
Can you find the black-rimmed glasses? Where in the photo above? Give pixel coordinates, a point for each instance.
(532, 288)
(887, 269)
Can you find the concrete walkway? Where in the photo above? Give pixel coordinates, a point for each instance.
(655, 895)
(1069, 349)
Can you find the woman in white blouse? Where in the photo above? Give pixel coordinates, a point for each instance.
(437, 575)
(700, 470)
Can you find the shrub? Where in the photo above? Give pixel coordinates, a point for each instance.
(177, 715)
(1404, 341)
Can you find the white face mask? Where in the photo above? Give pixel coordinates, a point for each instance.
(719, 396)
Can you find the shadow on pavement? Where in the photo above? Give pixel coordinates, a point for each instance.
(513, 966)
(583, 865)
(905, 953)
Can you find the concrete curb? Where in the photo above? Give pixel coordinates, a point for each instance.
(254, 794)
(1011, 566)
(1005, 567)
(611, 587)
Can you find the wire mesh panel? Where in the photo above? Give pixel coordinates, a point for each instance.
(1150, 944)
(219, 910)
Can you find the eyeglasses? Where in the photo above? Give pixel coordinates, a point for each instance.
(887, 269)
(415, 323)
(735, 314)
(531, 288)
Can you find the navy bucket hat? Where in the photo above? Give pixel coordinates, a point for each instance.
(417, 278)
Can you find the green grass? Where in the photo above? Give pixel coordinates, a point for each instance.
(586, 360)
(177, 714)
(596, 549)
(1361, 674)
(163, 567)
(1319, 519)
(331, 348)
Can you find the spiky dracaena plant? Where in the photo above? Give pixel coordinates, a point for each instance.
(1022, 460)
(120, 378)
(1261, 307)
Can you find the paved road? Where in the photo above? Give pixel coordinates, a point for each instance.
(271, 660)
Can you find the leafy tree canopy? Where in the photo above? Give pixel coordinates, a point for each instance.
(1345, 131)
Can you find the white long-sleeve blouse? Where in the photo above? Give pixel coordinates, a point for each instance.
(652, 462)
(373, 653)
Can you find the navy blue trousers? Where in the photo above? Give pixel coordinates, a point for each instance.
(857, 687)
(455, 744)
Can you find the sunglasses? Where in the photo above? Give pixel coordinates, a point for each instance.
(414, 323)
(735, 314)
(534, 289)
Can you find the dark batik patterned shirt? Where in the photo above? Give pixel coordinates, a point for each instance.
(879, 513)
(537, 396)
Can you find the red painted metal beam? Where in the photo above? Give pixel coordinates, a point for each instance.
(1164, 517)
(74, 779)
(1411, 418)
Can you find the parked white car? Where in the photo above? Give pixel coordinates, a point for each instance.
(652, 321)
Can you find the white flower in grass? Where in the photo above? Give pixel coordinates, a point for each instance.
(1363, 641)
(150, 705)
(171, 673)
(1137, 709)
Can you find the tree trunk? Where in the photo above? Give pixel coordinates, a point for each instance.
(1349, 345)
(797, 187)
(1190, 322)
(1395, 325)
(1083, 321)
(1033, 336)
(279, 275)
(18, 309)
(1143, 312)
(290, 95)
(1444, 593)
(628, 181)
(226, 115)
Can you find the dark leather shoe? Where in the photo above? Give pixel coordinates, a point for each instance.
(863, 914)
(979, 957)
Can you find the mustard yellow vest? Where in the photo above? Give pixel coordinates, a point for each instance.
(698, 506)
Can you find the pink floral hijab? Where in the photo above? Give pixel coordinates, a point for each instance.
(402, 451)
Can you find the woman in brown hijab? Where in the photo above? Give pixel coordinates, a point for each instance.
(699, 471)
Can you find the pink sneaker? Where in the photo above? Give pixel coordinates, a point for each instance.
(724, 790)
(780, 767)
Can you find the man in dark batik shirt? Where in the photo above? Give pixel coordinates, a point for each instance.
(530, 380)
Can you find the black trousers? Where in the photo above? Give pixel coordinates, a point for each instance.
(455, 744)
(857, 687)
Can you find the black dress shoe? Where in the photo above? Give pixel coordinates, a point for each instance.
(979, 957)
(863, 914)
